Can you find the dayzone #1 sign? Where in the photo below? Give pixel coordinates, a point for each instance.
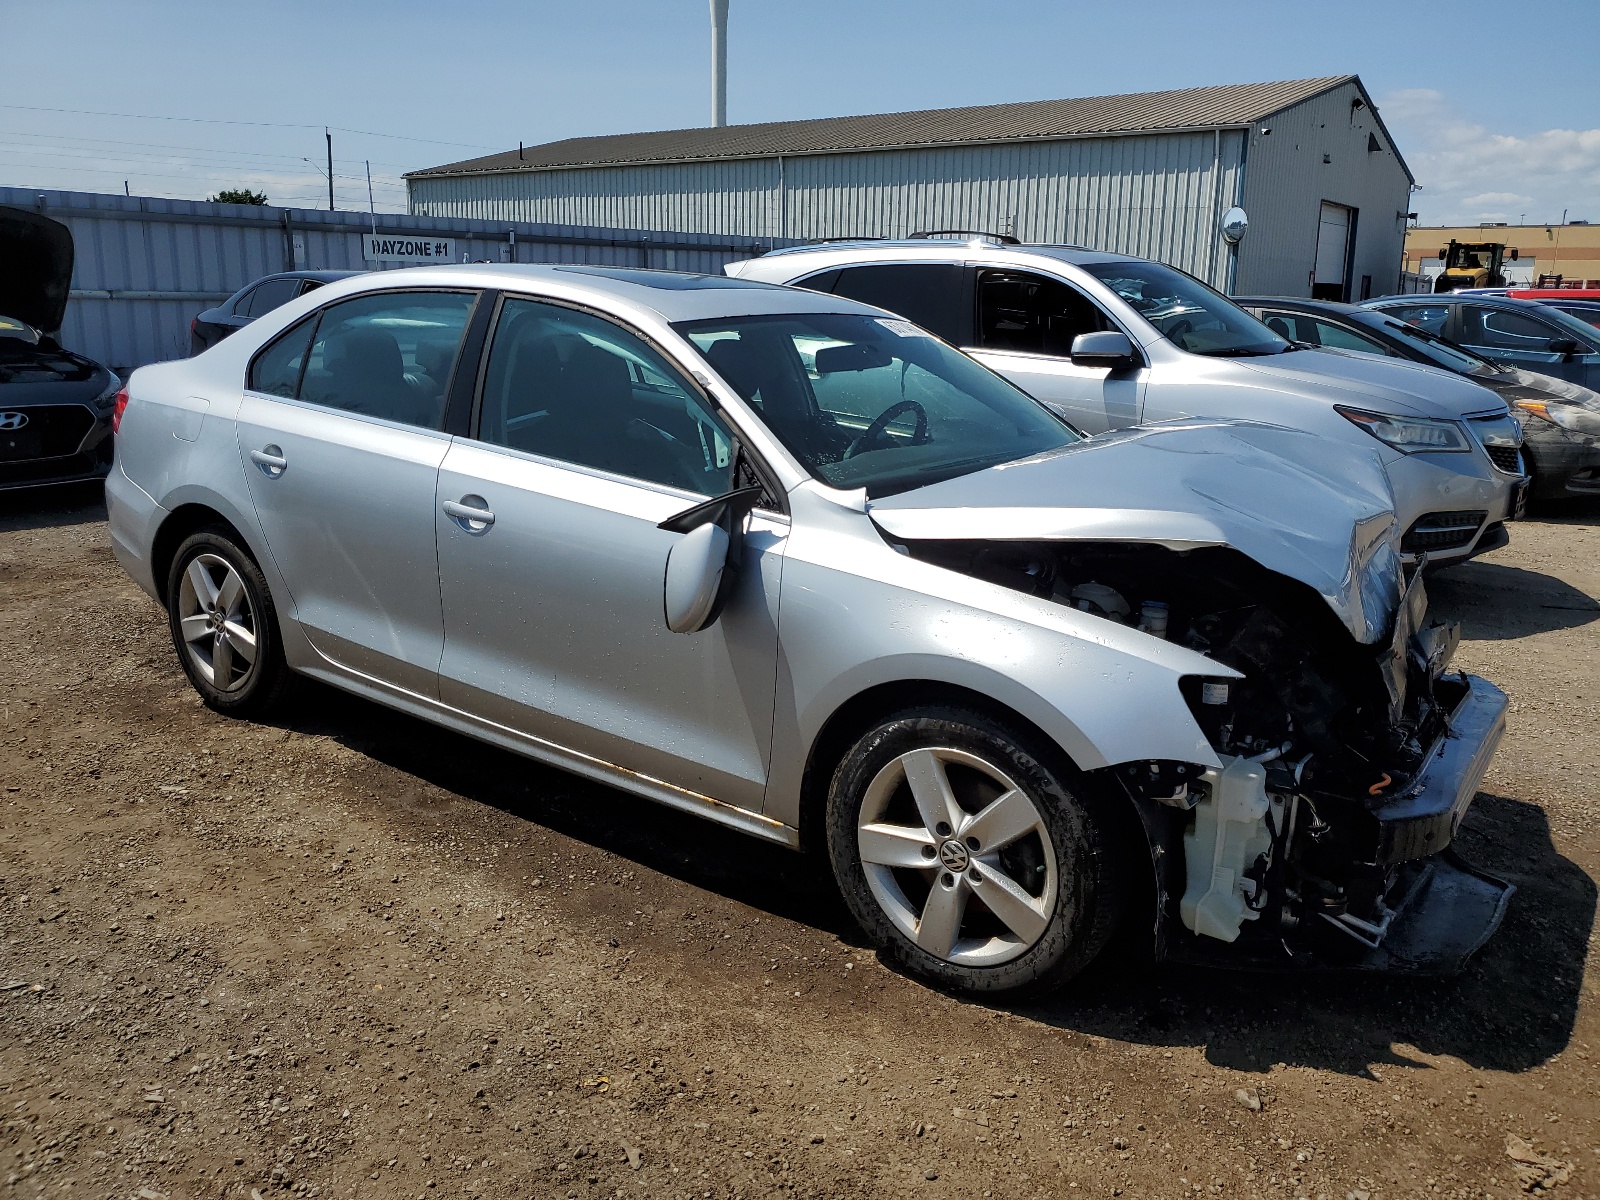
(383, 247)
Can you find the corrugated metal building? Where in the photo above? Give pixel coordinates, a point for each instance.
(1149, 174)
(145, 266)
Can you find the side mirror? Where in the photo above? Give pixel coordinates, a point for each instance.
(1106, 349)
(695, 566)
(1513, 254)
(703, 565)
(1443, 254)
(1563, 346)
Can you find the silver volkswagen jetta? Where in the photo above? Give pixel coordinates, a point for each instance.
(790, 563)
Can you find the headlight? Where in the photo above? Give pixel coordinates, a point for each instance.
(1574, 418)
(108, 397)
(1409, 435)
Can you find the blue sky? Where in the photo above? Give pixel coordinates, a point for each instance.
(1509, 126)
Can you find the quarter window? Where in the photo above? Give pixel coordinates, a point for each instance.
(932, 295)
(575, 387)
(1033, 314)
(388, 355)
(268, 296)
(276, 370)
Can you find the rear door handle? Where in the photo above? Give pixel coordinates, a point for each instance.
(470, 512)
(271, 461)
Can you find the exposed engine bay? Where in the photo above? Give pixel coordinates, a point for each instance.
(1343, 771)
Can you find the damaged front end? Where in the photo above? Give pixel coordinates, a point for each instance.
(1322, 837)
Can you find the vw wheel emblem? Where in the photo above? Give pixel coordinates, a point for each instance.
(953, 855)
(12, 420)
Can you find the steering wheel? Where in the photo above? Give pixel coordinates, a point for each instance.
(1177, 329)
(878, 430)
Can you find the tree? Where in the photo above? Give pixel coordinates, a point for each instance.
(238, 196)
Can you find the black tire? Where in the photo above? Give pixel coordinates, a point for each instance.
(1076, 826)
(251, 691)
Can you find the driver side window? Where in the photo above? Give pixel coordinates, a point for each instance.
(1020, 311)
(575, 387)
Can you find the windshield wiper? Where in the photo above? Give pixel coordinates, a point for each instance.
(1244, 352)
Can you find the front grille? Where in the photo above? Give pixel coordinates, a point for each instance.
(50, 470)
(1506, 458)
(1442, 531)
(51, 431)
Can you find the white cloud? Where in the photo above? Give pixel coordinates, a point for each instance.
(1467, 171)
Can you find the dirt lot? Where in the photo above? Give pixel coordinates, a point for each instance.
(349, 955)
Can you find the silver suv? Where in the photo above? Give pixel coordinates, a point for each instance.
(1112, 341)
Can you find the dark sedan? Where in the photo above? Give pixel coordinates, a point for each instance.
(55, 406)
(1560, 419)
(254, 300)
(1520, 333)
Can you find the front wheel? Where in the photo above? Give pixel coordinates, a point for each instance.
(225, 626)
(971, 854)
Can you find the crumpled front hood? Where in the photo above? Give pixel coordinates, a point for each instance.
(1314, 510)
(1376, 384)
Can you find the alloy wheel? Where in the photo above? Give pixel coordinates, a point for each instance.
(958, 856)
(217, 622)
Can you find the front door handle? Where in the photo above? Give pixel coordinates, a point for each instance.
(470, 512)
(271, 461)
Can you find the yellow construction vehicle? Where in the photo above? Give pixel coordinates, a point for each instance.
(1473, 265)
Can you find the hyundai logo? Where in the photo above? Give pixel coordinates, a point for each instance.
(12, 420)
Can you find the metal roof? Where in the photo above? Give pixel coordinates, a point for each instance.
(1230, 105)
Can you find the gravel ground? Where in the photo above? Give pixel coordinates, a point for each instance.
(346, 954)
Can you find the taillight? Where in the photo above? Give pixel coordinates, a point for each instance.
(116, 412)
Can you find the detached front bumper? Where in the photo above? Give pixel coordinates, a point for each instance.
(1423, 818)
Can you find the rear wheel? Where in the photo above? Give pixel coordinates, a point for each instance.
(225, 626)
(973, 856)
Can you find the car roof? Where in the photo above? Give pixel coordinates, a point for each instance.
(913, 249)
(1491, 301)
(1336, 307)
(671, 295)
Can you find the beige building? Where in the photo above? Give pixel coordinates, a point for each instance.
(1570, 251)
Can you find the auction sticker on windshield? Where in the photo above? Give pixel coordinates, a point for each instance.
(903, 328)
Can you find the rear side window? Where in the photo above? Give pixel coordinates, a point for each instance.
(388, 355)
(276, 370)
(1033, 314)
(268, 296)
(932, 295)
(1504, 329)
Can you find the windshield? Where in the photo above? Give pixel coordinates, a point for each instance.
(1580, 330)
(1186, 312)
(874, 402)
(1437, 350)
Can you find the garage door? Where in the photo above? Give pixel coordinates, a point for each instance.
(1333, 249)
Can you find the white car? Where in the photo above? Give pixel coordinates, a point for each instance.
(1111, 341)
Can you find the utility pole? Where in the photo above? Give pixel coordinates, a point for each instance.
(719, 63)
(371, 207)
(329, 136)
